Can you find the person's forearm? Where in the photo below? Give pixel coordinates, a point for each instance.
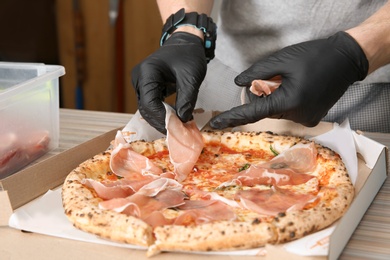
(373, 35)
(168, 7)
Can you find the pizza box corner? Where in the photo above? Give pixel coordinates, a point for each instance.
(33, 181)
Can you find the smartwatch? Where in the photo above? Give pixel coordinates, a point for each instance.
(200, 21)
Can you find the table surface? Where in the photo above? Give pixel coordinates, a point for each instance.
(371, 239)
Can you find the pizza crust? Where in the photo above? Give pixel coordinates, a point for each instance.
(294, 225)
(223, 235)
(258, 141)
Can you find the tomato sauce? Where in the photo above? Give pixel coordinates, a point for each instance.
(159, 155)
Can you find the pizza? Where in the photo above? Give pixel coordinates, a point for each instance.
(208, 191)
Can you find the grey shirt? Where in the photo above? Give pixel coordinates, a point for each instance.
(249, 30)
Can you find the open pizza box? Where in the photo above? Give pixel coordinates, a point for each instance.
(20, 192)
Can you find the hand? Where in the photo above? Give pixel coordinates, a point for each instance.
(315, 74)
(178, 66)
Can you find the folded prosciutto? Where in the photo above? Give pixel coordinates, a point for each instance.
(125, 162)
(149, 201)
(185, 143)
(202, 212)
(116, 189)
(288, 168)
(273, 201)
(264, 87)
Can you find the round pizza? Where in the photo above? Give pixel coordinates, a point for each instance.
(208, 191)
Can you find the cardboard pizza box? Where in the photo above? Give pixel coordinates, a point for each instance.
(32, 182)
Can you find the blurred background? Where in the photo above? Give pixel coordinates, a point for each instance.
(97, 41)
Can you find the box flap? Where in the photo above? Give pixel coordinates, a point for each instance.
(387, 155)
(5, 206)
(373, 181)
(287, 127)
(33, 181)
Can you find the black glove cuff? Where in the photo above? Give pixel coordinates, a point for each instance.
(202, 22)
(352, 49)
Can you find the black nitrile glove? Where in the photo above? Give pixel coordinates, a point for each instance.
(315, 74)
(178, 66)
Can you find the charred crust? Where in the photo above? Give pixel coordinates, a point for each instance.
(256, 221)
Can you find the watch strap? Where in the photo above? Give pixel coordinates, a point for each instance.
(200, 21)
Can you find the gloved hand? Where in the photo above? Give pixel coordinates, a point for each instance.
(178, 66)
(315, 74)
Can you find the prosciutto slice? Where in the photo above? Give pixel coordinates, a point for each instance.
(288, 168)
(117, 189)
(145, 207)
(300, 157)
(157, 218)
(153, 188)
(17, 150)
(196, 204)
(212, 210)
(125, 162)
(261, 175)
(185, 143)
(10, 148)
(273, 201)
(146, 203)
(264, 87)
(216, 196)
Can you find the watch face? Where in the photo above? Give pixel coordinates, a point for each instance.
(207, 44)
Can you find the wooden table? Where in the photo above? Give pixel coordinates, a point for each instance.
(371, 239)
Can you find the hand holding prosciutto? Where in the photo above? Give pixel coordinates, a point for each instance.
(315, 74)
(178, 66)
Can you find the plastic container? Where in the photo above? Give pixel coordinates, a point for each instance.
(29, 113)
